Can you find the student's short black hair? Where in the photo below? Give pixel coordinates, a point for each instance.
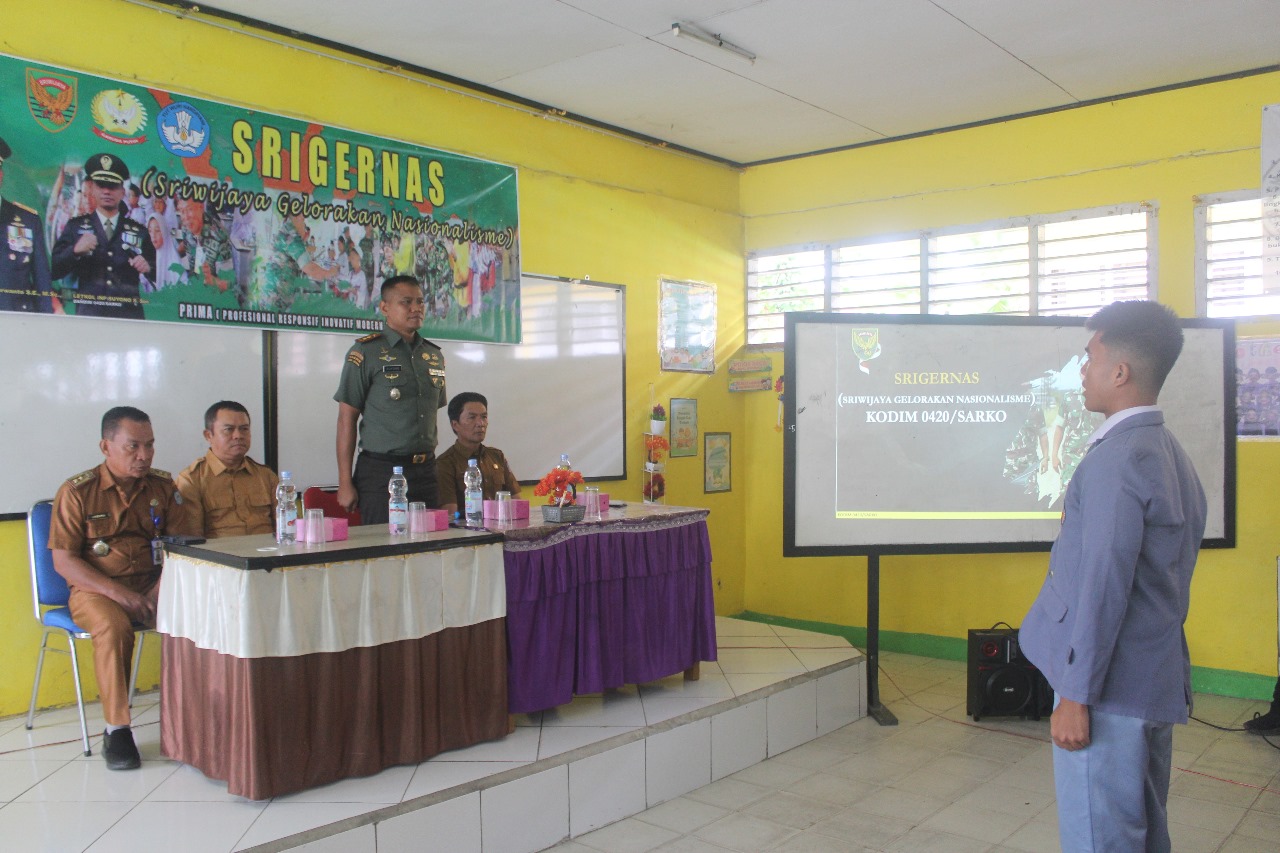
(111, 420)
(211, 413)
(461, 400)
(1147, 332)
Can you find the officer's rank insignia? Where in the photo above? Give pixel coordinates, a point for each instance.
(51, 99)
(372, 336)
(355, 357)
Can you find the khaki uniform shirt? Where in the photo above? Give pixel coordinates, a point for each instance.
(398, 388)
(495, 474)
(93, 508)
(223, 502)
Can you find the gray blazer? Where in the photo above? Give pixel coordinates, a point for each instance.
(1106, 628)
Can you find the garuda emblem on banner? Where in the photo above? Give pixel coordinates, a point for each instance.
(51, 98)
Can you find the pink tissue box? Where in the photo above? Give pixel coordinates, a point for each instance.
(519, 509)
(604, 501)
(437, 519)
(335, 529)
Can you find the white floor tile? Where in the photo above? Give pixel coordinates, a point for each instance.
(745, 661)
(452, 825)
(557, 740)
(58, 827)
(622, 708)
(527, 814)
(677, 761)
(712, 686)
(606, 787)
(91, 781)
(739, 738)
(18, 775)
(279, 820)
(189, 827)
(432, 776)
(188, 785)
(385, 787)
(792, 717)
(659, 708)
(520, 745)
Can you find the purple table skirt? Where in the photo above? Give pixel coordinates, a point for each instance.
(602, 605)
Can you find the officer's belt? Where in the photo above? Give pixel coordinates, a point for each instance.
(412, 459)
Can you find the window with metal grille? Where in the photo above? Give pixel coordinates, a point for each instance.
(1229, 281)
(1067, 265)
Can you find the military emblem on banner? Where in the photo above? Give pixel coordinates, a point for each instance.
(866, 346)
(118, 115)
(51, 99)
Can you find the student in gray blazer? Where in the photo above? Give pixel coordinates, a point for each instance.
(1106, 628)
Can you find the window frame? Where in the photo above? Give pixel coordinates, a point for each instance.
(1035, 239)
(1200, 218)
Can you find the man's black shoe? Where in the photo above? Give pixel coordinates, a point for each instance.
(120, 751)
(1264, 723)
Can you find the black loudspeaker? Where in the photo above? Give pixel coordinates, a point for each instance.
(1002, 683)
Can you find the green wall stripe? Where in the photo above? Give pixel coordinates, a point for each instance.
(1218, 682)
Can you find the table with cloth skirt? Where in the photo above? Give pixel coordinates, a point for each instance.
(344, 659)
(596, 605)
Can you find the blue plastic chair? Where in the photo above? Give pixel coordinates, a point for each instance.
(49, 590)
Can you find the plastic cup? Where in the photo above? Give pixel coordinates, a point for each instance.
(315, 526)
(591, 498)
(417, 518)
(504, 506)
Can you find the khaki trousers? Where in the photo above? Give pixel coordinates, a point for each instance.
(111, 631)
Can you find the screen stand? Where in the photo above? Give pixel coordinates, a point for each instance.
(880, 713)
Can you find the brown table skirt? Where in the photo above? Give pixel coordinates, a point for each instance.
(269, 726)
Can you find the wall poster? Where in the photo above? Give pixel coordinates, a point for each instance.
(687, 326)
(684, 427)
(239, 217)
(717, 462)
(1257, 387)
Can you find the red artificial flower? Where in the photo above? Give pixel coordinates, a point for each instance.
(558, 485)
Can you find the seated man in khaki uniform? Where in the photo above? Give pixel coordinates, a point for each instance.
(469, 417)
(105, 538)
(227, 493)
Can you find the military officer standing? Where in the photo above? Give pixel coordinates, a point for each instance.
(392, 385)
(105, 253)
(24, 262)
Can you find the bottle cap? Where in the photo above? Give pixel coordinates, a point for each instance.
(399, 469)
(284, 475)
(473, 463)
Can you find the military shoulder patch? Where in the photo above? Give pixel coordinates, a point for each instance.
(24, 207)
(163, 475)
(355, 357)
(84, 477)
(372, 336)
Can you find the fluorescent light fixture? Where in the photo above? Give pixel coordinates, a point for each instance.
(689, 31)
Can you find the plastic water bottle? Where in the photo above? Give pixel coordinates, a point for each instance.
(472, 482)
(564, 463)
(398, 506)
(286, 510)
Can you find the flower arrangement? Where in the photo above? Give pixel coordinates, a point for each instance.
(658, 413)
(655, 446)
(559, 487)
(656, 488)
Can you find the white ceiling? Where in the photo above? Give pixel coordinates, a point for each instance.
(829, 73)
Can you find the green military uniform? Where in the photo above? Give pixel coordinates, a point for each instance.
(214, 242)
(437, 276)
(398, 387)
(278, 285)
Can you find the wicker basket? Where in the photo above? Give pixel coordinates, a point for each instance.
(562, 514)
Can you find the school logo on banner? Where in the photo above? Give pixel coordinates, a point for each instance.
(183, 130)
(51, 99)
(118, 116)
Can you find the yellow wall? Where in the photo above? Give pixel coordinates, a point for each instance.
(618, 211)
(591, 205)
(1163, 149)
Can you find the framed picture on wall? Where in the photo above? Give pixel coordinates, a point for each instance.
(717, 468)
(1258, 388)
(684, 427)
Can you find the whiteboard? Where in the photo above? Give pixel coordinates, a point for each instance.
(61, 374)
(562, 390)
